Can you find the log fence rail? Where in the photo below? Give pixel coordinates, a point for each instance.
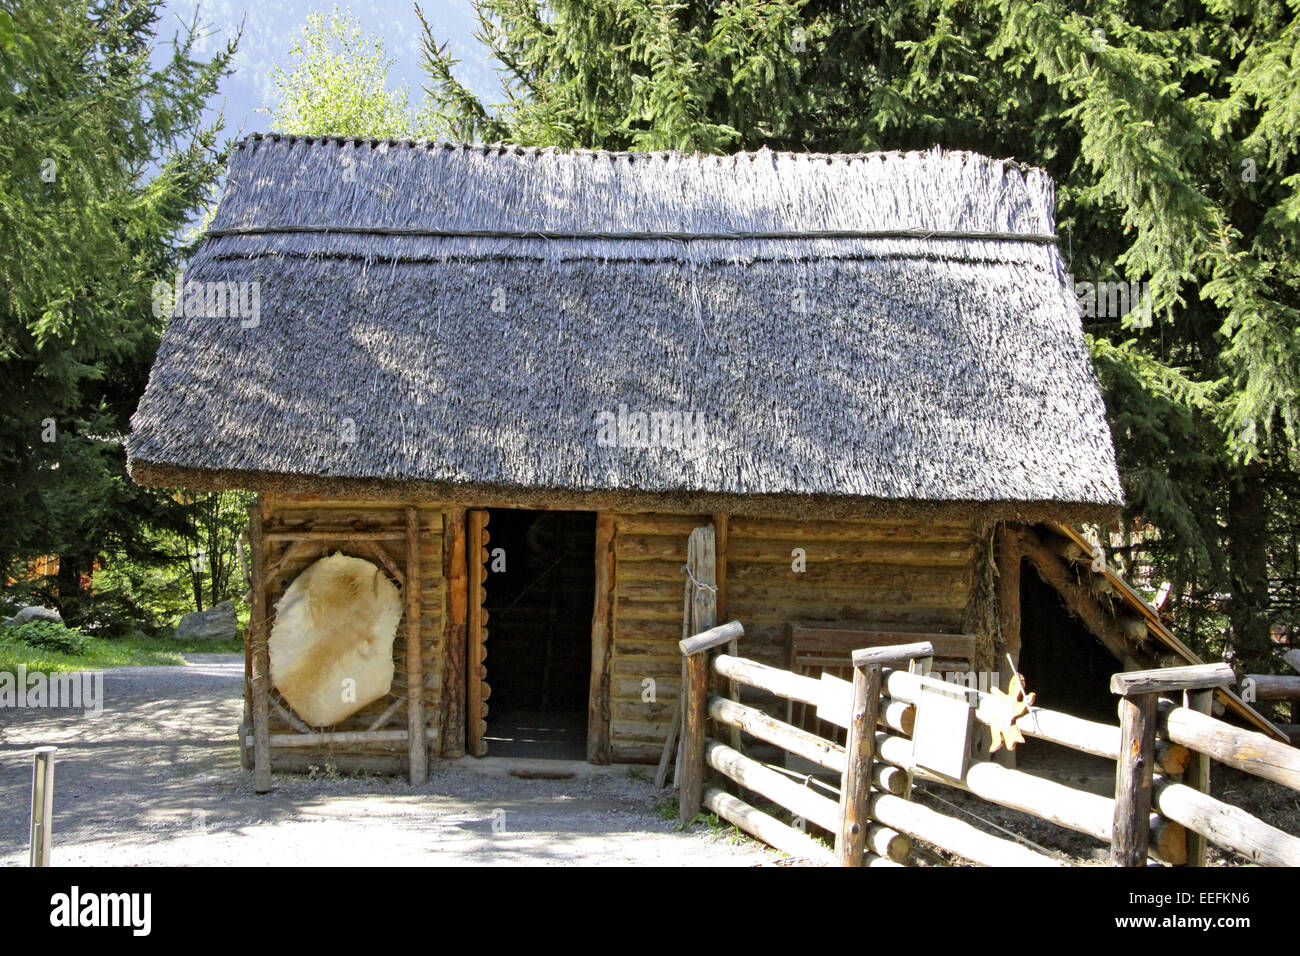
(1162, 750)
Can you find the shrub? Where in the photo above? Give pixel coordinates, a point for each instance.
(46, 635)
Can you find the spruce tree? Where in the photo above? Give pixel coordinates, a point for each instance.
(104, 158)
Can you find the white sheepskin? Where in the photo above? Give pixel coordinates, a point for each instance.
(332, 643)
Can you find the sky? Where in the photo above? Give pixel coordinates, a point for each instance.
(269, 26)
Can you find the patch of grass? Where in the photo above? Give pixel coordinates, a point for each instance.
(329, 772)
(664, 807)
(98, 653)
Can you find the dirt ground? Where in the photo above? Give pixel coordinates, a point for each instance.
(155, 780)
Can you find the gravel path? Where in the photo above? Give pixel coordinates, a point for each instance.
(155, 779)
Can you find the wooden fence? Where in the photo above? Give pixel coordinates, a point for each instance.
(1161, 807)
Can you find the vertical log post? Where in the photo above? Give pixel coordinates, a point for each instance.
(1133, 772)
(476, 708)
(721, 531)
(453, 667)
(1139, 691)
(1008, 557)
(261, 654)
(602, 644)
(1197, 777)
(860, 749)
(695, 711)
(42, 804)
(417, 749)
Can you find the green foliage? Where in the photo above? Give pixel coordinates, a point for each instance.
(336, 84)
(95, 654)
(45, 635)
(1170, 129)
(104, 159)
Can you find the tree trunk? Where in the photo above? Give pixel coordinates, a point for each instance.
(1248, 569)
(68, 582)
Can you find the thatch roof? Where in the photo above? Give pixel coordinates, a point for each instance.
(852, 331)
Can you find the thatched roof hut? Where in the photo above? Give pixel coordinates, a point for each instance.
(861, 375)
(851, 331)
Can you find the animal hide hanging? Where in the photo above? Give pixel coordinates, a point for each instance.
(332, 644)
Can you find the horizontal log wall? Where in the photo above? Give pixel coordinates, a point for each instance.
(649, 552)
(909, 574)
(916, 575)
(283, 515)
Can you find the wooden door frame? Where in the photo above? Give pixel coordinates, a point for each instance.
(477, 689)
(602, 643)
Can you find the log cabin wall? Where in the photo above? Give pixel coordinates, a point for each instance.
(911, 574)
(281, 515)
(647, 601)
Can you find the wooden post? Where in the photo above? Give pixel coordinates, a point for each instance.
(476, 556)
(695, 695)
(695, 710)
(855, 787)
(1134, 769)
(1198, 777)
(720, 529)
(417, 748)
(453, 674)
(860, 749)
(1008, 550)
(261, 654)
(602, 645)
(42, 804)
(1133, 775)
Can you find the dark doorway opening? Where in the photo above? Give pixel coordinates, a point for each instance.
(1062, 661)
(540, 589)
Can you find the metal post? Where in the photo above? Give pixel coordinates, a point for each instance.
(42, 804)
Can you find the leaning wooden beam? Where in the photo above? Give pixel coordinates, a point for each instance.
(778, 788)
(291, 552)
(379, 554)
(1078, 598)
(1226, 826)
(257, 629)
(1008, 550)
(799, 742)
(953, 835)
(386, 715)
(765, 827)
(1243, 749)
(418, 752)
(290, 718)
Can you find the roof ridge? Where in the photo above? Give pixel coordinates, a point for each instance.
(515, 149)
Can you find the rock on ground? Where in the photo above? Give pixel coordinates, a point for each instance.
(217, 623)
